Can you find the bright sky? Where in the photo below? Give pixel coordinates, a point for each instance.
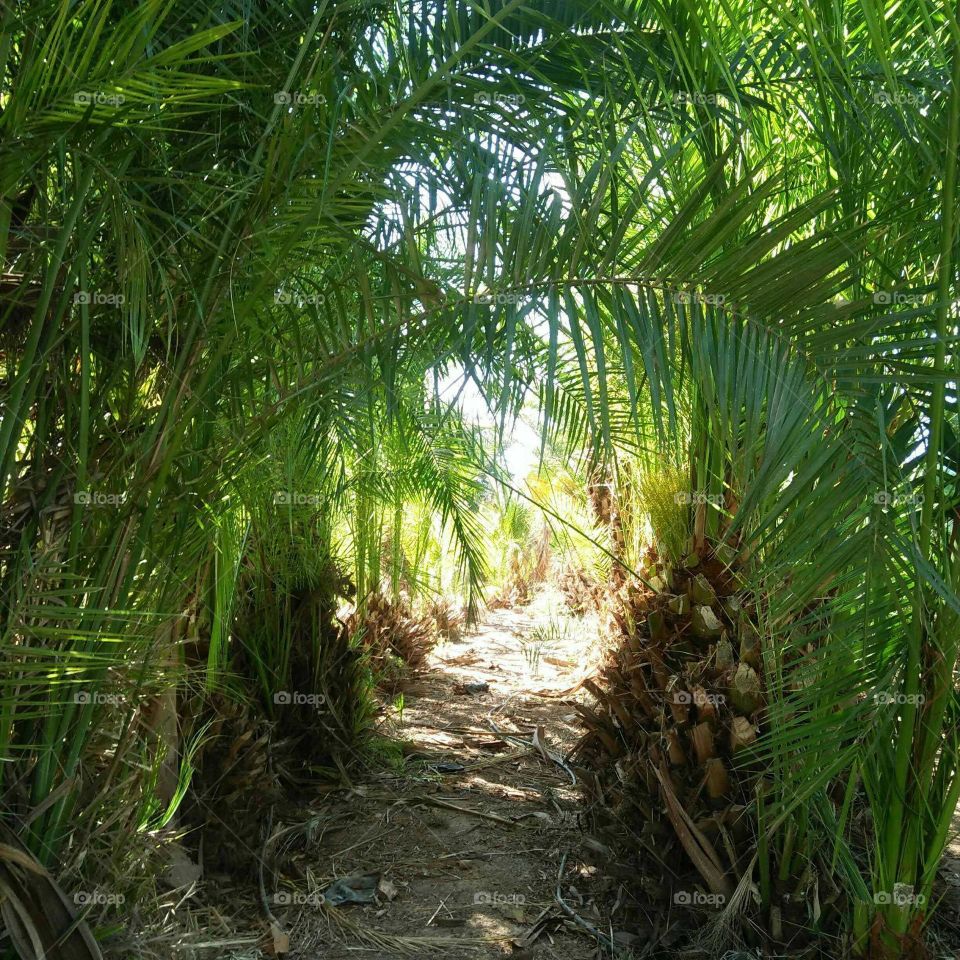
(522, 447)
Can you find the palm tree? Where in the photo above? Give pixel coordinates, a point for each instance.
(236, 249)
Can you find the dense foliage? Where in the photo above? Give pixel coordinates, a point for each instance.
(242, 245)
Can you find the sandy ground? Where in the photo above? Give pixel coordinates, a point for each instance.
(468, 860)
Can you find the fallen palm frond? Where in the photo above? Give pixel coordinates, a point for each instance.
(506, 757)
(40, 919)
(568, 691)
(725, 931)
(535, 744)
(483, 815)
(615, 949)
(401, 945)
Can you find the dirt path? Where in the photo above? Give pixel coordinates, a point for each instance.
(469, 835)
(460, 828)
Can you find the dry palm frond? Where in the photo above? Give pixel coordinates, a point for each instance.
(582, 592)
(391, 628)
(404, 946)
(447, 618)
(40, 919)
(722, 933)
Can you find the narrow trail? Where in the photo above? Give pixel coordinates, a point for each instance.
(470, 835)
